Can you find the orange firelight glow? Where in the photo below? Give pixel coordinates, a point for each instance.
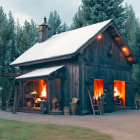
(125, 51)
(119, 90)
(42, 88)
(44, 92)
(100, 36)
(37, 100)
(98, 88)
(130, 59)
(116, 92)
(34, 93)
(117, 39)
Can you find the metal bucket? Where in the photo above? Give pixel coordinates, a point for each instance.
(73, 108)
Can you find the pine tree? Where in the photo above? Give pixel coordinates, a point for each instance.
(5, 47)
(54, 23)
(130, 27)
(14, 40)
(11, 48)
(137, 54)
(132, 36)
(78, 20)
(3, 39)
(29, 35)
(64, 27)
(94, 11)
(18, 38)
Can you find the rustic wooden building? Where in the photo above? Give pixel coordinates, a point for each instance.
(94, 58)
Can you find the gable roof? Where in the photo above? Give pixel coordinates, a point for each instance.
(61, 44)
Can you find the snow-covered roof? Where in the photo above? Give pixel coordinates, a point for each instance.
(61, 44)
(40, 72)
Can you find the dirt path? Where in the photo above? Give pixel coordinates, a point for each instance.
(121, 125)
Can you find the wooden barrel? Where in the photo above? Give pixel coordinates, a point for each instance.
(66, 111)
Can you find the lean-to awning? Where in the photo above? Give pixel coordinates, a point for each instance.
(38, 73)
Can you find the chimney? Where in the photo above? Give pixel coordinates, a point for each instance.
(43, 31)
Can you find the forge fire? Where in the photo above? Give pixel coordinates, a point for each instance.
(38, 92)
(98, 88)
(119, 92)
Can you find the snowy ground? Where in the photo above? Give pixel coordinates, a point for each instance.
(121, 125)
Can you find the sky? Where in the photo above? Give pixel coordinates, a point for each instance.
(37, 9)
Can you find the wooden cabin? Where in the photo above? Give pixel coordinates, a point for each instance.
(68, 65)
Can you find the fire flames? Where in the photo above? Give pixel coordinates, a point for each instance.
(116, 92)
(119, 90)
(98, 88)
(40, 92)
(43, 94)
(37, 100)
(33, 92)
(42, 88)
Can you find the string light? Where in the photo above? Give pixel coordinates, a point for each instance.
(100, 36)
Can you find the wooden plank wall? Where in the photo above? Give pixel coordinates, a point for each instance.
(71, 83)
(93, 62)
(73, 70)
(99, 65)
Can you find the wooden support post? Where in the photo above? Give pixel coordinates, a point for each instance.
(49, 94)
(81, 86)
(66, 84)
(46, 81)
(15, 100)
(62, 94)
(47, 97)
(23, 92)
(83, 89)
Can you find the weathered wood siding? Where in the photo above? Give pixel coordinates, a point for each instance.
(95, 63)
(98, 65)
(71, 81)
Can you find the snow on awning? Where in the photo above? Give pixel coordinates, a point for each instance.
(40, 72)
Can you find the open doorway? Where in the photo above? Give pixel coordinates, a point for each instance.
(98, 88)
(35, 93)
(119, 93)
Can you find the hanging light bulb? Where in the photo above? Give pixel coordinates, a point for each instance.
(100, 36)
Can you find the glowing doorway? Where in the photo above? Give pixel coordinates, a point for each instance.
(98, 88)
(119, 92)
